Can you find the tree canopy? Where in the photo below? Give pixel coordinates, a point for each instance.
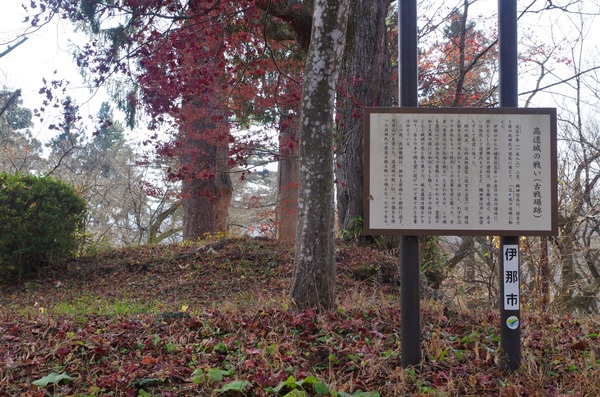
(205, 71)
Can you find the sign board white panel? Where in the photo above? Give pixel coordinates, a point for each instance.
(460, 171)
(510, 263)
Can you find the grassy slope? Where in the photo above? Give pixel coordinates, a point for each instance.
(187, 321)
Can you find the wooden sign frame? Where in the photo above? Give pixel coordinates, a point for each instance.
(460, 171)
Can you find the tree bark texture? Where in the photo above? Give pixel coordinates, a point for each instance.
(297, 13)
(289, 175)
(365, 77)
(206, 199)
(544, 273)
(314, 265)
(207, 188)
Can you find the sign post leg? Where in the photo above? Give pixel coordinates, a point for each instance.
(410, 317)
(510, 328)
(410, 327)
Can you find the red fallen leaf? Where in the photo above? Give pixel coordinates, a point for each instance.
(486, 380)
(63, 351)
(149, 360)
(378, 334)
(102, 350)
(580, 345)
(440, 379)
(249, 364)
(106, 381)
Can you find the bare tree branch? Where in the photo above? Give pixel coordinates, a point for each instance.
(10, 48)
(13, 97)
(561, 82)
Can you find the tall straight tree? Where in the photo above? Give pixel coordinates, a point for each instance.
(365, 74)
(206, 185)
(459, 69)
(314, 265)
(289, 175)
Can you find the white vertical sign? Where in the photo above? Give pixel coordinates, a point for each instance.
(510, 261)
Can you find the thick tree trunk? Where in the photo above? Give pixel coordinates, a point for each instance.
(289, 176)
(366, 73)
(206, 199)
(207, 188)
(314, 265)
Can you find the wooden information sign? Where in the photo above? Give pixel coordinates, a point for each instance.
(460, 171)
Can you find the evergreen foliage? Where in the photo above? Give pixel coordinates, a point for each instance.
(39, 221)
(19, 150)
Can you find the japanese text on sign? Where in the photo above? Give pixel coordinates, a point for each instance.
(510, 261)
(447, 171)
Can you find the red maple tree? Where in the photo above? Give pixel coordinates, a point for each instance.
(200, 70)
(459, 69)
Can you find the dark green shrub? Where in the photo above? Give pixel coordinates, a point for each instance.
(39, 222)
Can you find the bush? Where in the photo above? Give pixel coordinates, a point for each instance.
(39, 222)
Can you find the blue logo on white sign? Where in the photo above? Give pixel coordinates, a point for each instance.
(512, 322)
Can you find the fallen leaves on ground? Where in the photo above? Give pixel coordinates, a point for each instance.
(180, 321)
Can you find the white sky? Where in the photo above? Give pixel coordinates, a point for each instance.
(48, 50)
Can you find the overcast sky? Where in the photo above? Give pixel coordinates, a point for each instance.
(47, 50)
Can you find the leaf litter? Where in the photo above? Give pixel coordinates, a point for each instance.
(207, 320)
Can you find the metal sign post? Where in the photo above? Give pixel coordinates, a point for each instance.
(410, 310)
(510, 314)
(410, 318)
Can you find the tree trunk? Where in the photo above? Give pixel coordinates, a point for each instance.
(566, 247)
(314, 265)
(544, 273)
(289, 175)
(460, 80)
(366, 72)
(207, 198)
(206, 185)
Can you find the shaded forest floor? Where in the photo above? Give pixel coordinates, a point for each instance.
(192, 320)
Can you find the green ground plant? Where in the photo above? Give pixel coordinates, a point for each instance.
(40, 218)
